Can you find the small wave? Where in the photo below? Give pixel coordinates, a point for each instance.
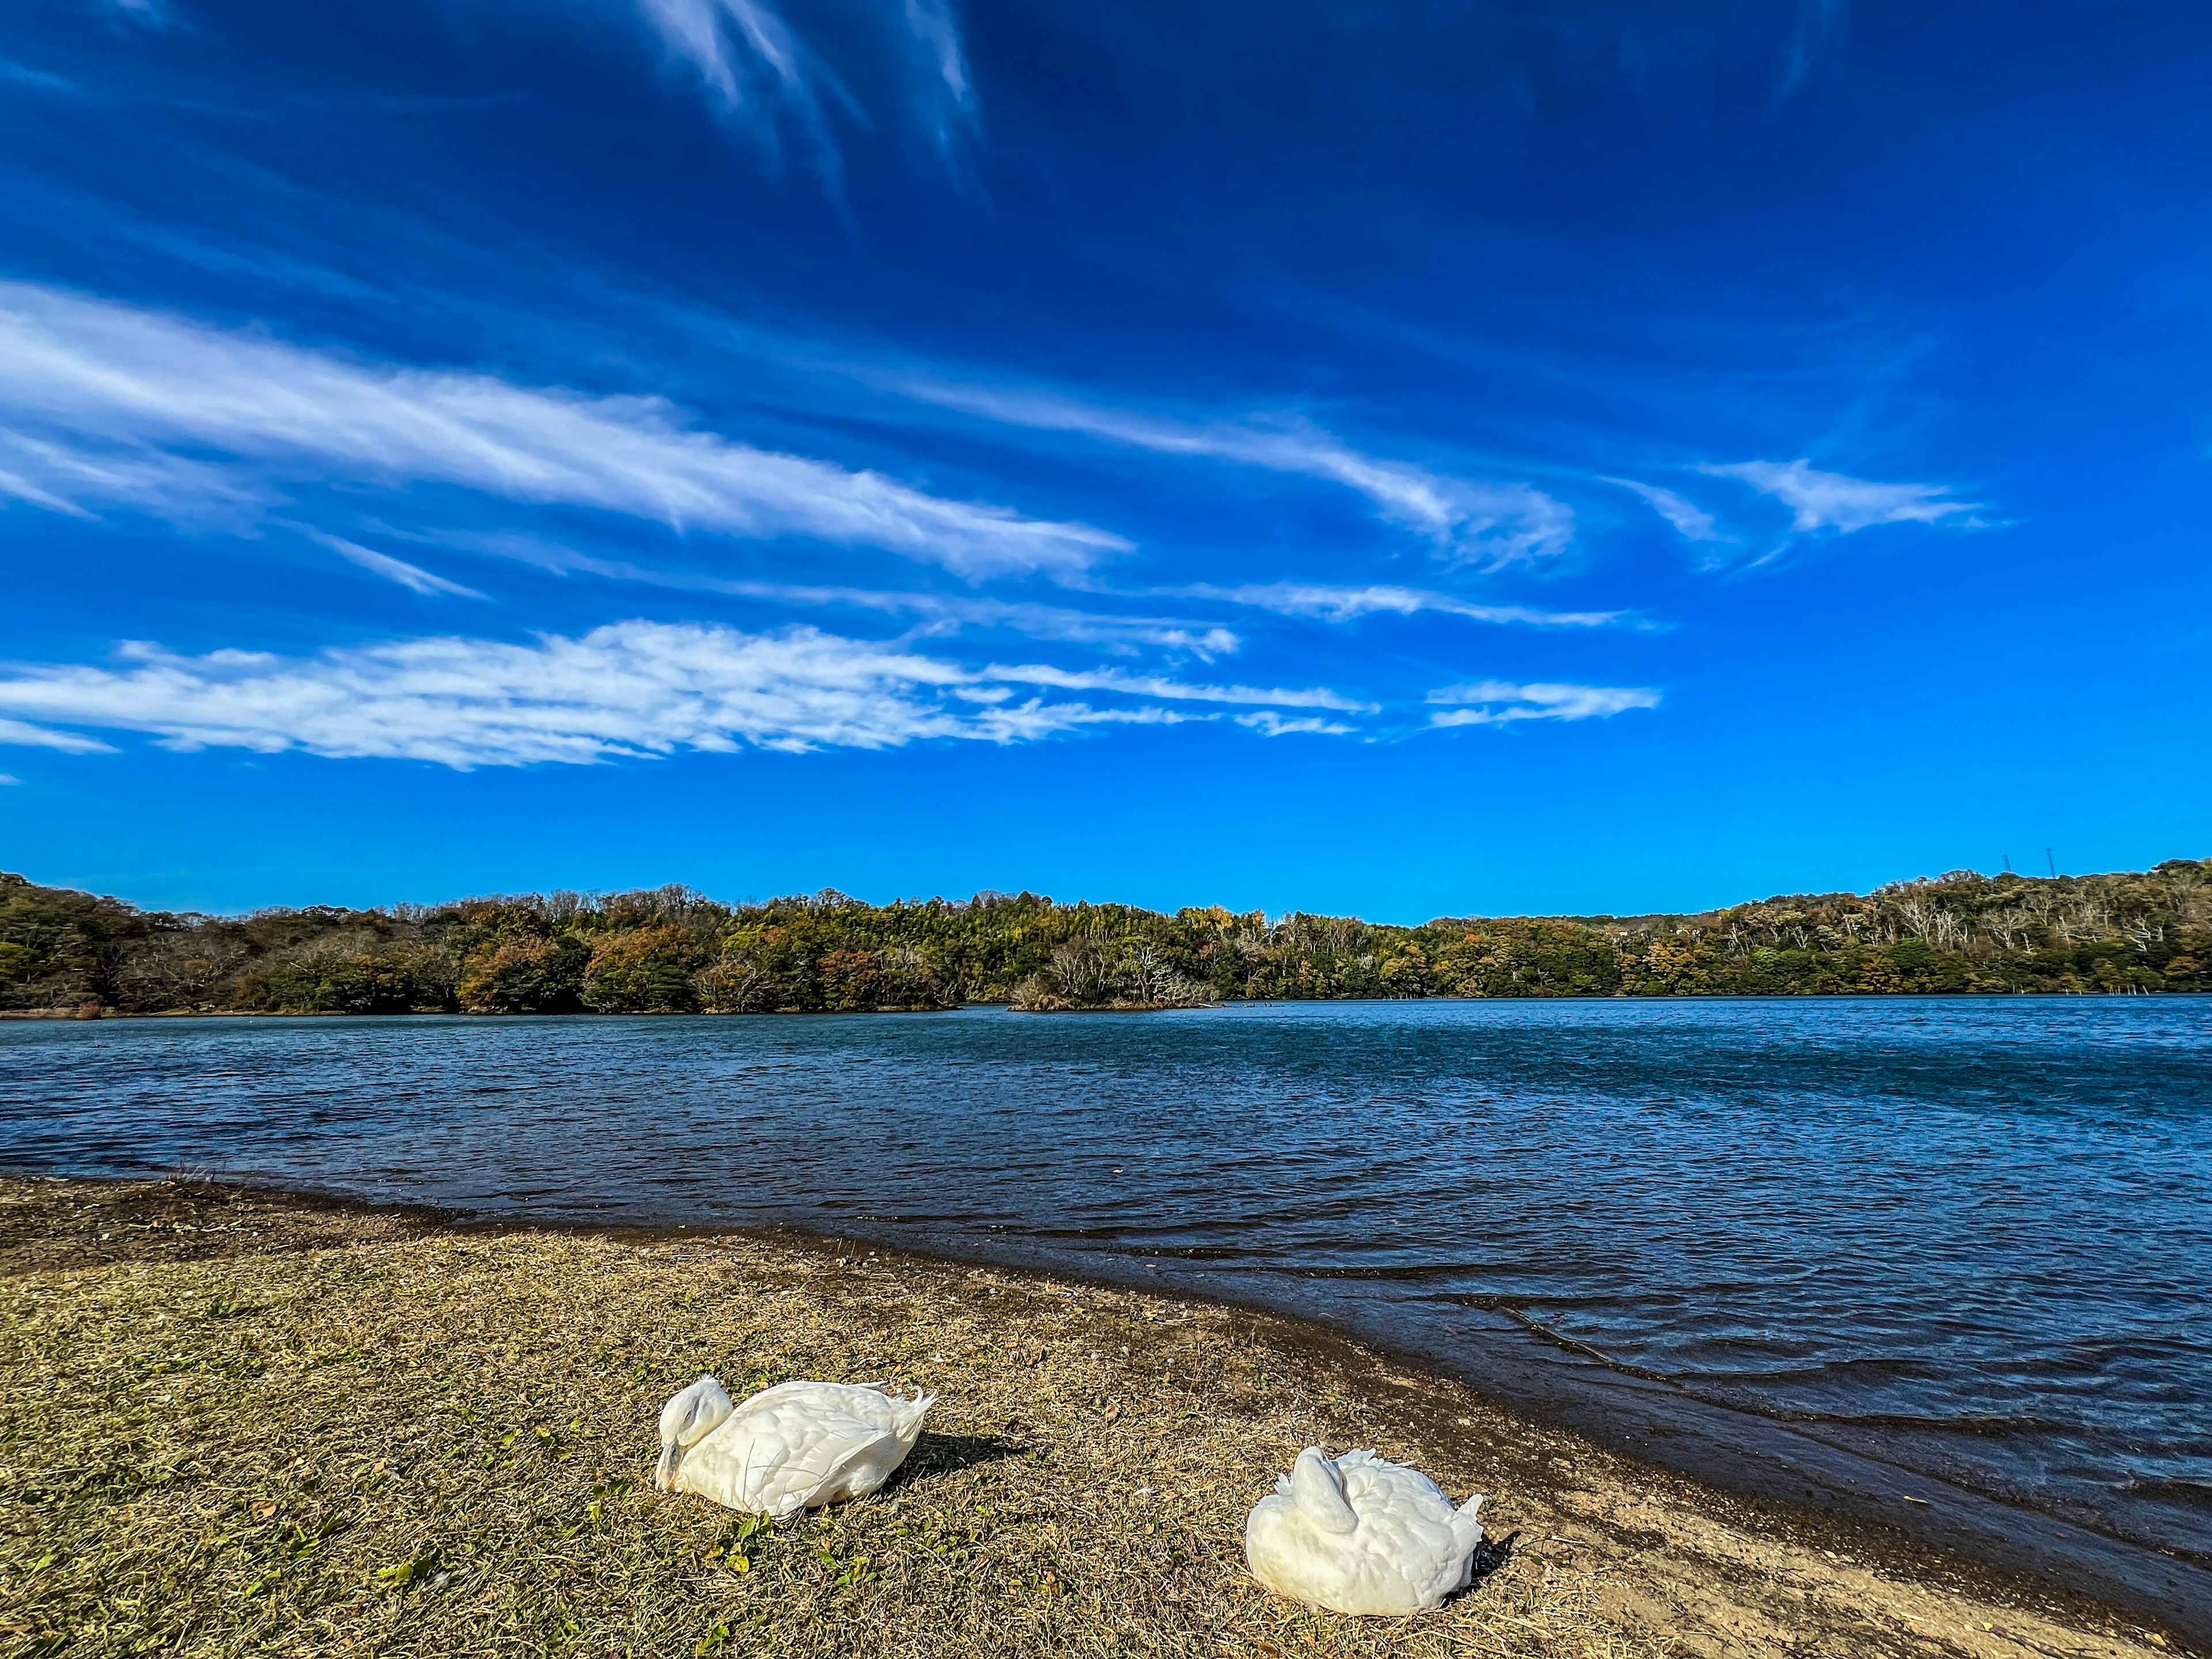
(1512, 1302)
(1865, 1367)
(1989, 1427)
(2190, 1494)
(1411, 1274)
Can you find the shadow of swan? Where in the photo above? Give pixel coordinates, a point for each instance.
(938, 1455)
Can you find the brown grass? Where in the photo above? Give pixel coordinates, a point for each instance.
(236, 1424)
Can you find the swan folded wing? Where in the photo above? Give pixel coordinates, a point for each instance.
(1425, 1547)
(792, 1457)
(1369, 1479)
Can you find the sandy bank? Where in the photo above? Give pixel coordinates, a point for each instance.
(240, 1422)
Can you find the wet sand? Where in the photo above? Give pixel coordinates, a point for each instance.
(245, 1422)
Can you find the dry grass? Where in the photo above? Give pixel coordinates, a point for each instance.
(293, 1430)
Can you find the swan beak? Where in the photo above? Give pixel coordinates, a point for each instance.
(664, 1476)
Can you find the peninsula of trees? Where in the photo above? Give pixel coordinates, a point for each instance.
(672, 950)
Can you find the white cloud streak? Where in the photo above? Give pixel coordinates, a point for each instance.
(1332, 603)
(936, 613)
(1153, 685)
(752, 64)
(727, 41)
(23, 74)
(944, 613)
(60, 476)
(721, 39)
(410, 576)
(38, 737)
(105, 403)
(1691, 522)
(932, 24)
(1832, 500)
(1498, 702)
(947, 613)
(1269, 724)
(1465, 522)
(632, 689)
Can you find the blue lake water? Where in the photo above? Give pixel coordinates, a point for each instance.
(1968, 1241)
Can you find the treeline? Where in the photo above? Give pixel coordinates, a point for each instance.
(672, 950)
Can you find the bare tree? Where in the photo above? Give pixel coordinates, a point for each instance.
(1082, 971)
(734, 985)
(179, 971)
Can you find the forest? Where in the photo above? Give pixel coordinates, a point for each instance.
(672, 950)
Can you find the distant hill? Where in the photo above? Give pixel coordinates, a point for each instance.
(672, 950)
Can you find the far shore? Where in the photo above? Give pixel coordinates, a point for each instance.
(1888, 999)
(248, 1422)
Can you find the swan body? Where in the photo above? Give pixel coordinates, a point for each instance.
(794, 1447)
(1357, 1534)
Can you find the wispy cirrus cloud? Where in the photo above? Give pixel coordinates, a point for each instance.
(941, 613)
(634, 689)
(936, 30)
(105, 403)
(62, 476)
(750, 61)
(1465, 522)
(728, 41)
(1689, 521)
(22, 75)
(1833, 500)
(23, 735)
(1498, 702)
(1155, 685)
(755, 66)
(413, 577)
(934, 612)
(1339, 602)
(1268, 724)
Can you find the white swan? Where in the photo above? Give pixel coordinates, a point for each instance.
(792, 1447)
(1357, 1534)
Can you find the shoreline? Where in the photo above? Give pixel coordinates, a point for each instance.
(1651, 1554)
(1700, 997)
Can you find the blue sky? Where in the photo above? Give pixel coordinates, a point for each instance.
(1394, 458)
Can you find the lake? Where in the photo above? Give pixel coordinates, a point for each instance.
(1957, 1247)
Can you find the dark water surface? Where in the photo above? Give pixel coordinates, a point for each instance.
(1941, 1247)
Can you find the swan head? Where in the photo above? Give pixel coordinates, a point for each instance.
(686, 1420)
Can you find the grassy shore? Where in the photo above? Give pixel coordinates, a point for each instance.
(235, 1422)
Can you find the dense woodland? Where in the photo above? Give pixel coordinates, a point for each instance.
(672, 950)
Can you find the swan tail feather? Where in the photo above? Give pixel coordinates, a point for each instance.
(1466, 1530)
(912, 1412)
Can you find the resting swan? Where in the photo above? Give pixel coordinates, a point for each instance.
(1360, 1534)
(792, 1447)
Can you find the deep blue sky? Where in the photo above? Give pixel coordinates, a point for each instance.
(1402, 459)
